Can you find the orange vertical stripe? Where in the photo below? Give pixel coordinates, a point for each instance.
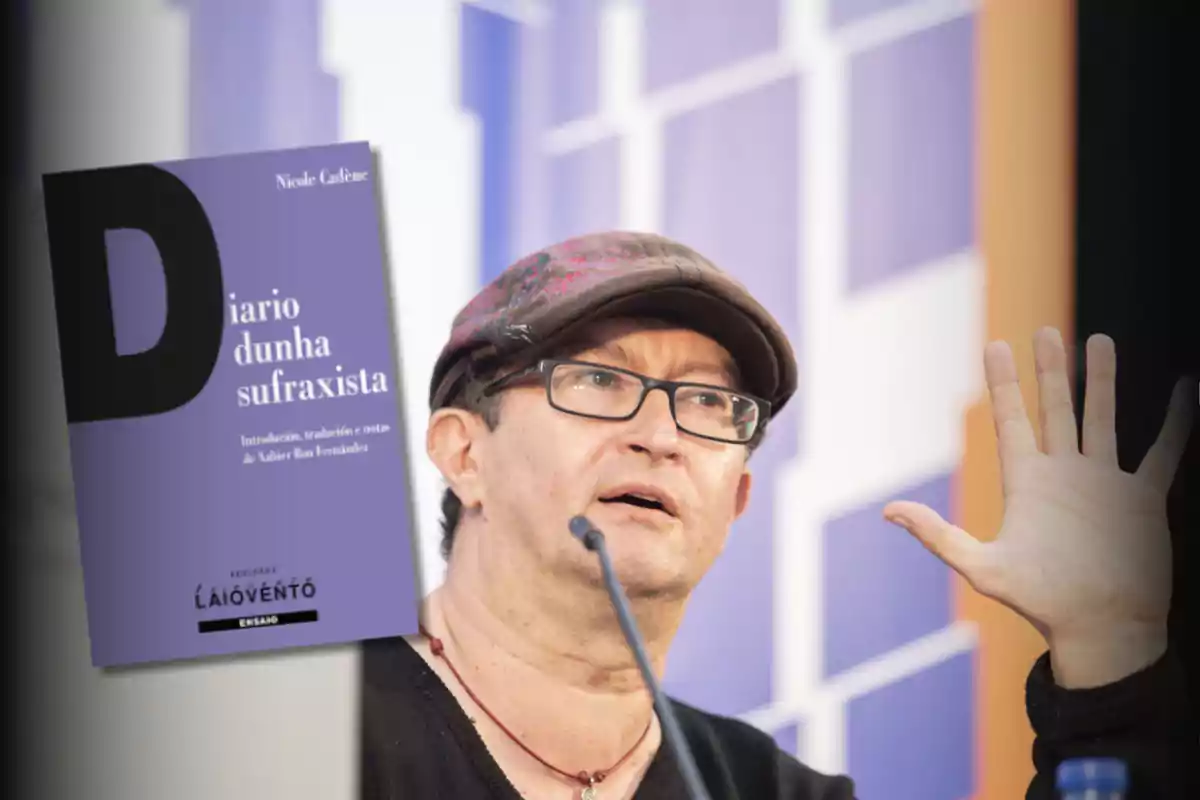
(1025, 61)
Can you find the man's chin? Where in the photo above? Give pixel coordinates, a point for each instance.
(648, 551)
(646, 574)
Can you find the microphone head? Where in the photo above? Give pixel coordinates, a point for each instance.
(583, 530)
(579, 526)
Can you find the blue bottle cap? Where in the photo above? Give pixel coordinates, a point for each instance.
(1100, 774)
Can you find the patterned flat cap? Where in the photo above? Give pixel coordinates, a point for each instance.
(546, 295)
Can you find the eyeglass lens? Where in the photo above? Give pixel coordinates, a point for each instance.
(599, 392)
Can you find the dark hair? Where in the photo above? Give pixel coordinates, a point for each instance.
(488, 409)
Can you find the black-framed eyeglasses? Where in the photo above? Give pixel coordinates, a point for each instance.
(600, 391)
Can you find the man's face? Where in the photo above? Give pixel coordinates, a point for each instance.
(541, 466)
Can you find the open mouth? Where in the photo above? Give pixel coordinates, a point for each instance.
(641, 501)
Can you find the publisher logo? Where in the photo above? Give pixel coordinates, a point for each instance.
(255, 602)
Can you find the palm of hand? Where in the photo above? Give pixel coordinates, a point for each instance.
(1084, 548)
(1082, 545)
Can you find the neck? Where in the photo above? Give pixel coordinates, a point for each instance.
(563, 627)
(546, 655)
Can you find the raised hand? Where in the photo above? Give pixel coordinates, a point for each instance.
(1084, 552)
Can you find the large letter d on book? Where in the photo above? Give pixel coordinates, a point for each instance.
(99, 382)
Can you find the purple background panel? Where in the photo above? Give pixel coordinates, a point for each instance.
(256, 81)
(683, 39)
(915, 739)
(885, 590)
(585, 190)
(489, 46)
(528, 97)
(911, 152)
(574, 32)
(723, 194)
(787, 738)
(165, 503)
(842, 12)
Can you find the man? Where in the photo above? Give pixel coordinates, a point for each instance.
(624, 377)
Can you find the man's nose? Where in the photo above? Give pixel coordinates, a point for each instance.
(654, 429)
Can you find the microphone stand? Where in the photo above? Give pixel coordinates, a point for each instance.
(593, 540)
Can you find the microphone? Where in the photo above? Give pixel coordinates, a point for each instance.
(583, 530)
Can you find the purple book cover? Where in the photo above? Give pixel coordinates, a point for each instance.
(233, 404)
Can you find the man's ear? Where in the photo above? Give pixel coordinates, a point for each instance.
(451, 441)
(742, 500)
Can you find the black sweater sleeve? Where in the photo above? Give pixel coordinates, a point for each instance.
(1143, 719)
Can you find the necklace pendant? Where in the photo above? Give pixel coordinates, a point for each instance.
(589, 792)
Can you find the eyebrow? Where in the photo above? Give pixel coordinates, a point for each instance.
(725, 367)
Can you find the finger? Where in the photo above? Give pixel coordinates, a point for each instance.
(1100, 401)
(1055, 412)
(1162, 459)
(958, 549)
(1014, 434)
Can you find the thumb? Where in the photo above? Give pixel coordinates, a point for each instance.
(960, 551)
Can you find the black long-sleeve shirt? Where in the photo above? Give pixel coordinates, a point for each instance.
(417, 741)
